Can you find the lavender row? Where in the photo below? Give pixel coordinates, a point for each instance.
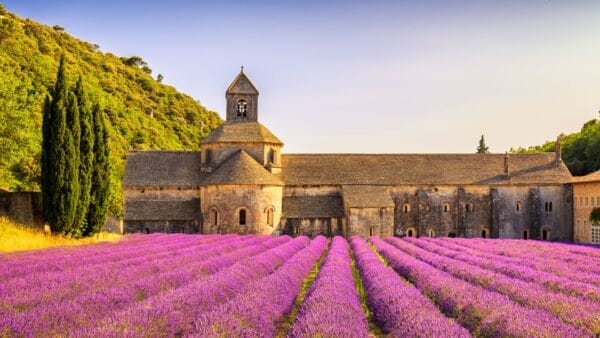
(90, 307)
(577, 312)
(549, 281)
(73, 258)
(529, 249)
(332, 306)
(172, 313)
(32, 294)
(399, 309)
(262, 305)
(483, 312)
(557, 268)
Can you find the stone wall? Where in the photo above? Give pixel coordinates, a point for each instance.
(370, 221)
(22, 207)
(166, 226)
(228, 200)
(332, 226)
(586, 198)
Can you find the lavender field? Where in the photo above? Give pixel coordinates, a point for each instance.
(263, 286)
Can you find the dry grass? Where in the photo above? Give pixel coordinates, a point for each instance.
(18, 237)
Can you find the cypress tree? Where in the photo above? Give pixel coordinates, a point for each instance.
(55, 131)
(70, 179)
(97, 210)
(47, 181)
(482, 148)
(86, 157)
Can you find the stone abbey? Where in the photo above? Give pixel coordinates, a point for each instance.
(242, 182)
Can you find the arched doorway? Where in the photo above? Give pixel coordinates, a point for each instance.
(545, 234)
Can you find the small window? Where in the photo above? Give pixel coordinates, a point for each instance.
(431, 233)
(410, 233)
(242, 108)
(242, 217)
(214, 216)
(146, 230)
(406, 208)
(270, 216)
(525, 234)
(446, 207)
(297, 230)
(469, 207)
(451, 235)
(208, 156)
(370, 231)
(587, 201)
(518, 206)
(484, 233)
(272, 155)
(548, 206)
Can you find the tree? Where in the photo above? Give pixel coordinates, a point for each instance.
(100, 191)
(595, 215)
(57, 168)
(482, 148)
(159, 78)
(86, 156)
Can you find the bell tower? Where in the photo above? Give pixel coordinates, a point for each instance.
(242, 100)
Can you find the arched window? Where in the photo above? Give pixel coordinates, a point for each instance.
(484, 233)
(214, 216)
(242, 217)
(272, 155)
(545, 234)
(446, 207)
(518, 206)
(406, 208)
(431, 233)
(242, 108)
(469, 207)
(548, 206)
(370, 231)
(411, 232)
(270, 216)
(525, 234)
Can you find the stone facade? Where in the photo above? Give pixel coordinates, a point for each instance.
(586, 194)
(242, 183)
(22, 207)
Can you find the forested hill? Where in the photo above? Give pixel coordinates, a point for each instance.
(141, 112)
(580, 150)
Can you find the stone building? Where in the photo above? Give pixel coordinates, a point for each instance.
(586, 192)
(240, 182)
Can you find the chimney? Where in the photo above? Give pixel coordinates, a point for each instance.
(557, 152)
(506, 164)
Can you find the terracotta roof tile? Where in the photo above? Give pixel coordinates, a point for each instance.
(240, 132)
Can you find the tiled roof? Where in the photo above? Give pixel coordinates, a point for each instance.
(366, 196)
(242, 85)
(321, 206)
(241, 132)
(162, 168)
(241, 168)
(162, 210)
(593, 177)
(419, 169)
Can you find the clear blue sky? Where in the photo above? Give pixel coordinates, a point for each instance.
(367, 76)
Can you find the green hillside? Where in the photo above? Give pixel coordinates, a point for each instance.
(580, 150)
(142, 113)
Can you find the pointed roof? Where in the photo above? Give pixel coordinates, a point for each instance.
(235, 132)
(242, 85)
(241, 168)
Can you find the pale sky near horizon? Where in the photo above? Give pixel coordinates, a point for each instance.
(366, 76)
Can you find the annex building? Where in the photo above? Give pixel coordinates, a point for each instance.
(242, 182)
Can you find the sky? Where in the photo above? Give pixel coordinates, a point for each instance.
(373, 76)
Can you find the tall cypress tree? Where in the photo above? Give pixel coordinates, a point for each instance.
(55, 164)
(70, 178)
(482, 148)
(86, 157)
(97, 210)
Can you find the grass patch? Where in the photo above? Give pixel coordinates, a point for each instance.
(19, 237)
(374, 330)
(306, 284)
